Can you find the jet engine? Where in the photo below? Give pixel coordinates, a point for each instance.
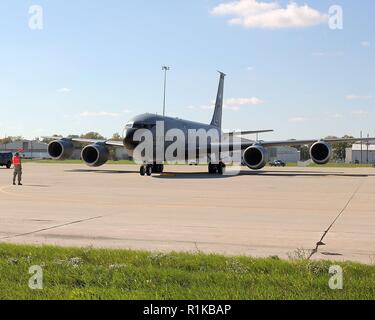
(320, 152)
(60, 149)
(95, 155)
(255, 157)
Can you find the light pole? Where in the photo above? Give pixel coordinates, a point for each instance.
(165, 69)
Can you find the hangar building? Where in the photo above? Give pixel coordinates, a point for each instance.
(32, 149)
(353, 154)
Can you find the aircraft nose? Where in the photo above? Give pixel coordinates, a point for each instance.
(129, 138)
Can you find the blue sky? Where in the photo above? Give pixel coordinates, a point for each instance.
(95, 64)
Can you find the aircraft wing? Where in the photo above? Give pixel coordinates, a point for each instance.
(242, 133)
(244, 144)
(109, 143)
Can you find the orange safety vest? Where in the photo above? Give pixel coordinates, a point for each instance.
(16, 161)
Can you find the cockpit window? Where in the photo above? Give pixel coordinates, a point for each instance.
(148, 126)
(129, 125)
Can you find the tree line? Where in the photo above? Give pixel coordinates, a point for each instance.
(339, 149)
(90, 135)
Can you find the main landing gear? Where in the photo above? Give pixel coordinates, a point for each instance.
(216, 168)
(149, 169)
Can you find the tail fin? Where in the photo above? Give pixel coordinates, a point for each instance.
(218, 114)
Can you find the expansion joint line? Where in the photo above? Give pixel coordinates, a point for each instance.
(321, 243)
(49, 228)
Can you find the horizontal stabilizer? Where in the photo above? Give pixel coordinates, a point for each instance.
(243, 133)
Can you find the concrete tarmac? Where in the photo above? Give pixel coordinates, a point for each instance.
(282, 212)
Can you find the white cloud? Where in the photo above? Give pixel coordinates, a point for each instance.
(354, 97)
(88, 114)
(337, 116)
(360, 113)
(270, 15)
(297, 120)
(64, 90)
(328, 54)
(207, 107)
(233, 104)
(366, 44)
(238, 102)
(93, 114)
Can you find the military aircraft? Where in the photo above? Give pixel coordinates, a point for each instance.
(254, 153)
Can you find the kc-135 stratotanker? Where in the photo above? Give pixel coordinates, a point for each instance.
(254, 153)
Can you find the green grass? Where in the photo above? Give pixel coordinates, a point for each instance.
(120, 274)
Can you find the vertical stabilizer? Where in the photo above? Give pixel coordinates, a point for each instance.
(218, 114)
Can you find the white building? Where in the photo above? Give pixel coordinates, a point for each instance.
(353, 154)
(286, 154)
(31, 149)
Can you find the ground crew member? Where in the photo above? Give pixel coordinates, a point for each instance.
(17, 169)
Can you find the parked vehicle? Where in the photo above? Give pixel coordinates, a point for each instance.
(277, 163)
(6, 159)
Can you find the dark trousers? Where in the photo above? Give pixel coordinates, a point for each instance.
(17, 173)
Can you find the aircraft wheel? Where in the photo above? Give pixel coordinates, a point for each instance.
(157, 168)
(149, 170)
(142, 171)
(221, 168)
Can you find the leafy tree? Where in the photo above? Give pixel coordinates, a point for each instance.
(50, 139)
(116, 137)
(6, 140)
(93, 135)
(305, 153)
(339, 148)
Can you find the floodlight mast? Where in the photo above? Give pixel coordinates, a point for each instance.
(165, 69)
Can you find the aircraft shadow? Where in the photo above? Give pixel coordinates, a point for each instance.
(312, 174)
(100, 171)
(204, 175)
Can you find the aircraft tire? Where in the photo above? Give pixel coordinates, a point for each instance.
(149, 170)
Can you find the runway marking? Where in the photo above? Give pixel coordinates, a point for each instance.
(320, 243)
(49, 228)
(2, 190)
(13, 194)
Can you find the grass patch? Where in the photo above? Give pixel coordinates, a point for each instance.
(121, 274)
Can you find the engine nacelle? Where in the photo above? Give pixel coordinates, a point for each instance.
(255, 157)
(320, 152)
(95, 155)
(60, 149)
